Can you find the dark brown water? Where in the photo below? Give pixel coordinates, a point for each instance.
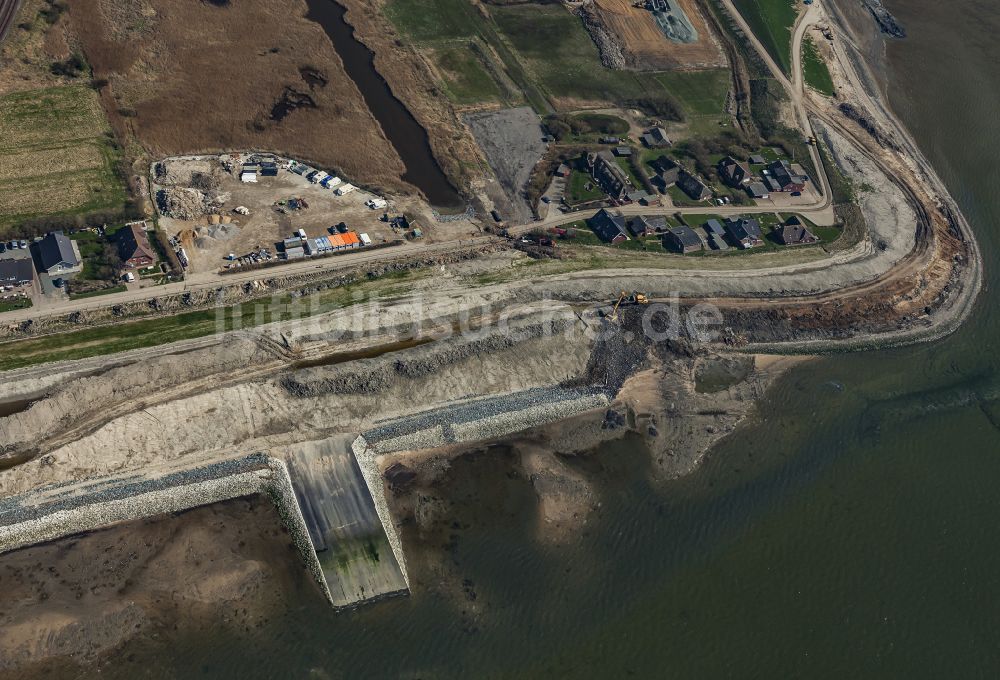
(402, 129)
(853, 533)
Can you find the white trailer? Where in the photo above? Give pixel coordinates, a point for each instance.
(365, 239)
(345, 188)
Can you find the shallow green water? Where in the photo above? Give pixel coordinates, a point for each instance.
(853, 533)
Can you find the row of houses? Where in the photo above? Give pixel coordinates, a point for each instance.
(741, 232)
(670, 173)
(780, 176)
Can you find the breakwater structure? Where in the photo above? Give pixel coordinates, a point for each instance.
(330, 493)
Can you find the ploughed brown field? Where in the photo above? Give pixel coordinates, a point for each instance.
(192, 76)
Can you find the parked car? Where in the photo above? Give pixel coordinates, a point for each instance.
(24, 244)
(3, 247)
(58, 283)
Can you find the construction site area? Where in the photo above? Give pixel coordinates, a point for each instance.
(219, 210)
(653, 35)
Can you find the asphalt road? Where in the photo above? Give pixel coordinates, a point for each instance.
(821, 213)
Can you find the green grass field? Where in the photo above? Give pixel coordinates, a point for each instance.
(577, 191)
(563, 58)
(56, 156)
(772, 22)
(465, 78)
(701, 93)
(426, 21)
(159, 331)
(814, 69)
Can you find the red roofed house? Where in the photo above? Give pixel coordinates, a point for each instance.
(133, 246)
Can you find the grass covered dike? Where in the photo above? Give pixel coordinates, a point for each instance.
(814, 69)
(772, 22)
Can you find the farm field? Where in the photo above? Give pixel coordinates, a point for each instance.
(56, 156)
(772, 22)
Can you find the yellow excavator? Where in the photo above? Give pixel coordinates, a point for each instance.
(627, 299)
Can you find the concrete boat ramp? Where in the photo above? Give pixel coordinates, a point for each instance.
(329, 492)
(320, 494)
(358, 562)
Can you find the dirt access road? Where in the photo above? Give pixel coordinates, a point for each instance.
(8, 10)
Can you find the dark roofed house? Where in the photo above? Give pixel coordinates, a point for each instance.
(794, 235)
(608, 226)
(733, 172)
(133, 246)
(757, 159)
(609, 175)
(787, 177)
(656, 137)
(693, 187)
(714, 226)
(757, 190)
(744, 231)
(16, 273)
(717, 242)
(57, 254)
(682, 240)
(608, 140)
(644, 226)
(623, 151)
(667, 172)
(638, 196)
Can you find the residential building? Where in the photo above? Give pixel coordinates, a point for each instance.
(562, 170)
(134, 249)
(645, 226)
(682, 240)
(793, 233)
(656, 137)
(16, 273)
(757, 159)
(58, 255)
(667, 172)
(612, 178)
(638, 196)
(623, 151)
(608, 226)
(693, 187)
(717, 242)
(733, 173)
(758, 190)
(787, 177)
(714, 226)
(744, 231)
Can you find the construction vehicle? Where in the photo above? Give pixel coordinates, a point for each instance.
(626, 299)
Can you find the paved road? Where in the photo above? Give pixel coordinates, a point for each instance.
(820, 212)
(8, 10)
(795, 86)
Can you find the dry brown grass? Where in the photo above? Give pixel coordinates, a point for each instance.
(647, 45)
(204, 78)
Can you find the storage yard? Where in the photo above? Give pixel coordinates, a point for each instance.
(236, 209)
